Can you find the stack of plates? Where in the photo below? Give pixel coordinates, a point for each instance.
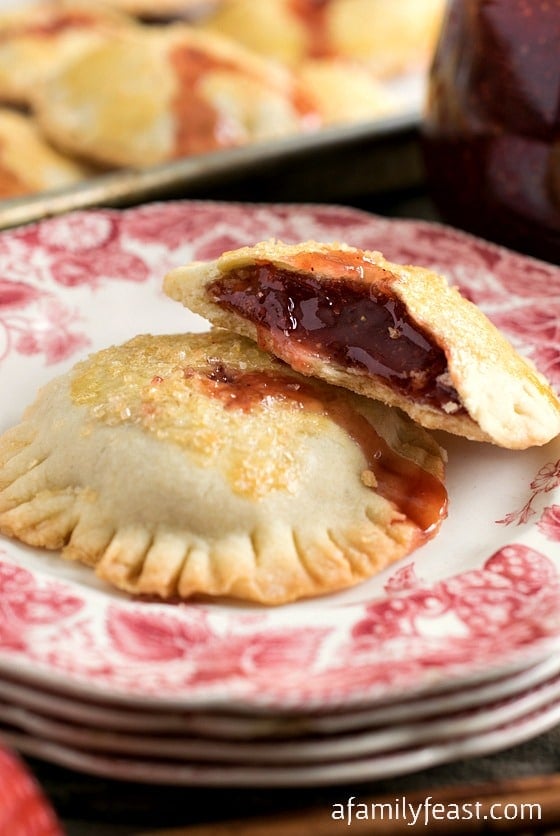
(170, 745)
(451, 653)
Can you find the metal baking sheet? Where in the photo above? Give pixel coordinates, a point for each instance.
(326, 165)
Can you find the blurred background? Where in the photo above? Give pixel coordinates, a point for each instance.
(283, 100)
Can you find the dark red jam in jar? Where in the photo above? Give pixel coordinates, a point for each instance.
(492, 126)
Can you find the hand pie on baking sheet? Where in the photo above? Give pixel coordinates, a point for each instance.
(197, 464)
(27, 163)
(169, 92)
(345, 91)
(395, 333)
(37, 40)
(392, 36)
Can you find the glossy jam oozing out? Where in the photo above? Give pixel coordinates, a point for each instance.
(348, 316)
(492, 126)
(417, 494)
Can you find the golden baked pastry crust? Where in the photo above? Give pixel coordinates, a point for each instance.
(197, 464)
(345, 91)
(37, 40)
(168, 92)
(501, 397)
(390, 37)
(27, 163)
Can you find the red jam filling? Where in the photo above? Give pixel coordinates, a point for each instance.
(200, 126)
(348, 316)
(491, 122)
(313, 16)
(417, 494)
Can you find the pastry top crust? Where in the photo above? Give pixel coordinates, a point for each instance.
(505, 399)
(197, 464)
(391, 38)
(346, 91)
(27, 163)
(38, 39)
(111, 105)
(160, 93)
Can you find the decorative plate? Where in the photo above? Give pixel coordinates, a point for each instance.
(366, 768)
(479, 600)
(230, 726)
(278, 751)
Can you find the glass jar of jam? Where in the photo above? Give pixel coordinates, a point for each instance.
(492, 127)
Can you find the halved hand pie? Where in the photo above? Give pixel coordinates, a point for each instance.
(197, 464)
(394, 333)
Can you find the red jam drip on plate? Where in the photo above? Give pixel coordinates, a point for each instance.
(348, 315)
(417, 494)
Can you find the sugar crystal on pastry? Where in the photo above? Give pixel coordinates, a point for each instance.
(198, 464)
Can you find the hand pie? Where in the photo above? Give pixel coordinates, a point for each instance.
(37, 40)
(27, 163)
(169, 92)
(390, 37)
(345, 91)
(197, 464)
(394, 333)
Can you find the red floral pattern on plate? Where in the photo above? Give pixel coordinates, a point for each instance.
(402, 579)
(549, 523)
(546, 480)
(500, 607)
(194, 652)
